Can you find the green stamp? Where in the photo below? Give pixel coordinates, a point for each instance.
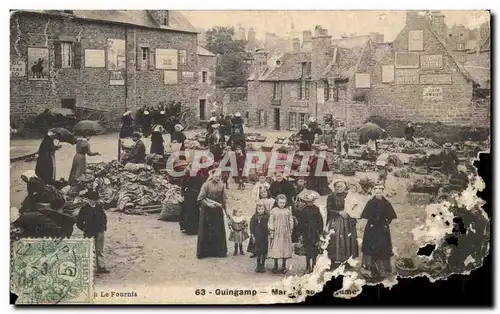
(52, 271)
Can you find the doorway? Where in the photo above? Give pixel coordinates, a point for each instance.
(203, 103)
(276, 119)
(68, 103)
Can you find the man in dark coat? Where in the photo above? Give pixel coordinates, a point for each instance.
(127, 125)
(305, 138)
(237, 139)
(409, 132)
(282, 186)
(377, 244)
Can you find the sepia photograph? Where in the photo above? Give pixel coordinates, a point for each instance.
(244, 156)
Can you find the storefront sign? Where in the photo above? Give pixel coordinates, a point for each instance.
(17, 68)
(406, 77)
(435, 79)
(94, 58)
(116, 54)
(415, 40)
(38, 64)
(188, 76)
(362, 80)
(116, 78)
(407, 60)
(387, 74)
(166, 59)
(431, 62)
(170, 77)
(433, 93)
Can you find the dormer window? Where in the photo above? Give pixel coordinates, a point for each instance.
(278, 62)
(164, 21)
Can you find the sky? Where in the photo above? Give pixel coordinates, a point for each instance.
(337, 22)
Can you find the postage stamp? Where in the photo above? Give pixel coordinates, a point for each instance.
(52, 271)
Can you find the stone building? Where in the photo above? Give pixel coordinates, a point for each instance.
(103, 60)
(207, 64)
(416, 77)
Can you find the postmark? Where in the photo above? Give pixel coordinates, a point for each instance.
(52, 271)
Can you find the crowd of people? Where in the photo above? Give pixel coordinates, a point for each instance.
(286, 220)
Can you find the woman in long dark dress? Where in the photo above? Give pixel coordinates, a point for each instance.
(190, 211)
(46, 162)
(318, 181)
(178, 136)
(305, 136)
(343, 242)
(310, 227)
(80, 160)
(157, 141)
(146, 123)
(377, 244)
(127, 128)
(260, 234)
(212, 230)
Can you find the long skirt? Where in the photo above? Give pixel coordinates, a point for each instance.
(78, 168)
(319, 184)
(211, 233)
(377, 267)
(190, 214)
(343, 242)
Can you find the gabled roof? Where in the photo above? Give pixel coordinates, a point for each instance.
(204, 52)
(345, 64)
(177, 21)
(442, 42)
(289, 68)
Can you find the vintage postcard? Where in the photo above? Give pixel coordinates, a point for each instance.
(244, 157)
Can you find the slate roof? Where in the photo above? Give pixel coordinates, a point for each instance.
(204, 52)
(177, 21)
(346, 63)
(290, 68)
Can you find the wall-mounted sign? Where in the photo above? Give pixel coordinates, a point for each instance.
(38, 64)
(166, 59)
(170, 77)
(433, 93)
(435, 79)
(431, 62)
(406, 77)
(116, 54)
(188, 76)
(362, 80)
(407, 60)
(94, 58)
(387, 74)
(415, 40)
(116, 78)
(17, 68)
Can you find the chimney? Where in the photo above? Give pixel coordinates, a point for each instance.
(321, 56)
(296, 45)
(416, 20)
(306, 40)
(318, 31)
(437, 22)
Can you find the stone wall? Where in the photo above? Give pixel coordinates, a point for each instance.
(90, 87)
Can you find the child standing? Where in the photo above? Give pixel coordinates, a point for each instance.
(239, 234)
(280, 233)
(259, 233)
(266, 199)
(310, 227)
(93, 222)
(259, 185)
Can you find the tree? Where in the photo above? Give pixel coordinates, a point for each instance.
(232, 69)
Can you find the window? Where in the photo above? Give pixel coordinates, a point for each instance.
(203, 103)
(182, 57)
(292, 121)
(204, 76)
(303, 117)
(260, 117)
(144, 57)
(68, 103)
(277, 90)
(165, 19)
(326, 90)
(66, 55)
(308, 72)
(461, 46)
(304, 90)
(306, 69)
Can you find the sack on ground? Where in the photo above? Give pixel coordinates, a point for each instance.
(170, 211)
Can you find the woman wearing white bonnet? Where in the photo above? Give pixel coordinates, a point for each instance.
(179, 137)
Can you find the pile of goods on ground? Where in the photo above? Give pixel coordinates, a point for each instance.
(199, 139)
(133, 188)
(428, 183)
(350, 166)
(401, 145)
(254, 137)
